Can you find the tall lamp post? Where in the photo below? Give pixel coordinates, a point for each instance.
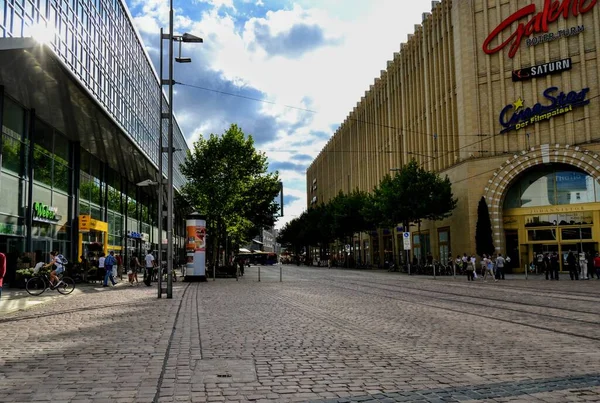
(169, 149)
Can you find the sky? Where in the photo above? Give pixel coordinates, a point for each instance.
(310, 61)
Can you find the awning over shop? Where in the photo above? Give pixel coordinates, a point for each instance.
(257, 241)
(244, 250)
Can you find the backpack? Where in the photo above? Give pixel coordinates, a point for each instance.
(109, 261)
(62, 260)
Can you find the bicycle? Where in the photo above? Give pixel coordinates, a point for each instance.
(40, 283)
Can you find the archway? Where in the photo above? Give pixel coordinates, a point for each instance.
(506, 176)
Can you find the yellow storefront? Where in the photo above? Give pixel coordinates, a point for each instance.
(97, 230)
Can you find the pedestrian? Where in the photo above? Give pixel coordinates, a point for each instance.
(572, 264)
(592, 265)
(241, 263)
(489, 269)
(483, 265)
(596, 266)
(500, 261)
(119, 266)
(109, 263)
(458, 264)
(583, 265)
(2, 270)
(134, 265)
(548, 267)
(150, 264)
(589, 258)
(470, 270)
(101, 261)
(555, 265)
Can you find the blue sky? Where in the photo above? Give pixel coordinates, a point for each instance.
(318, 56)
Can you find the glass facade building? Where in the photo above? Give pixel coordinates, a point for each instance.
(80, 116)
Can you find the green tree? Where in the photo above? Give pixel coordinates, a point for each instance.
(348, 215)
(412, 195)
(228, 182)
(483, 230)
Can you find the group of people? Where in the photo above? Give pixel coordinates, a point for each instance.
(492, 266)
(583, 264)
(112, 266)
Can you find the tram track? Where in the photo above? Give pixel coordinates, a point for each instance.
(595, 325)
(479, 300)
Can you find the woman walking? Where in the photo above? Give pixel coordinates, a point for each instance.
(134, 264)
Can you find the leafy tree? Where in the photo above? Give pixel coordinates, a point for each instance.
(412, 195)
(228, 183)
(483, 230)
(349, 216)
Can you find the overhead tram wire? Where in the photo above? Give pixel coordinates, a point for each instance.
(433, 158)
(316, 112)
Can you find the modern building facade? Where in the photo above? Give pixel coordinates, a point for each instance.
(80, 115)
(501, 96)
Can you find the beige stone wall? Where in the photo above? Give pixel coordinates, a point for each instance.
(439, 102)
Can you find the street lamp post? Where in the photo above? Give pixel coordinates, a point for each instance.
(171, 38)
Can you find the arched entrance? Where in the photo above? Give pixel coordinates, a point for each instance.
(545, 200)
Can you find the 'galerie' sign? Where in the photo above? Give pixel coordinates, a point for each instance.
(516, 116)
(536, 24)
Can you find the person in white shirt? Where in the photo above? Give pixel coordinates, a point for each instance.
(150, 264)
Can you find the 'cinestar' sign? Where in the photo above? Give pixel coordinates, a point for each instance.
(516, 116)
(537, 23)
(542, 70)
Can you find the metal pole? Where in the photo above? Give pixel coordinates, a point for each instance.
(214, 273)
(259, 274)
(280, 273)
(160, 166)
(408, 261)
(170, 164)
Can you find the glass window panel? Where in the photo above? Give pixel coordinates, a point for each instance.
(43, 136)
(541, 234)
(61, 176)
(13, 118)
(42, 166)
(576, 233)
(96, 212)
(11, 153)
(61, 148)
(61, 202)
(42, 194)
(84, 208)
(9, 194)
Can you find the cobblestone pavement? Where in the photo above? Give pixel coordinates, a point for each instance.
(321, 335)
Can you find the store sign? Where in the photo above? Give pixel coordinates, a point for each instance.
(134, 235)
(516, 116)
(84, 223)
(542, 70)
(145, 237)
(537, 23)
(45, 213)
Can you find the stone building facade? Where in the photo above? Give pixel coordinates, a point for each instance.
(501, 96)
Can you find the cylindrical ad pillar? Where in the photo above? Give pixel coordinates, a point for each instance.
(195, 247)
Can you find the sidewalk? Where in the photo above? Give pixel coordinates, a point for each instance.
(15, 299)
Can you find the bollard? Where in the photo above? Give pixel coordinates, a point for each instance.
(259, 274)
(214, 273)
(434, 271)
(280, 273)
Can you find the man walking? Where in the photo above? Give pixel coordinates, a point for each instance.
(150, 264)
(596, 266)
(109, 262)
(500, 267)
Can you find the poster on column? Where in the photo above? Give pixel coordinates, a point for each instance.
(195, 246)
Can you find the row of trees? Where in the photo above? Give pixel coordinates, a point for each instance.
(228, 182)
(411, 195)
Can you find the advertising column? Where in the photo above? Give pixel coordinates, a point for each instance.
(195, 247)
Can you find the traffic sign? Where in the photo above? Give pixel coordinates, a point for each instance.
(406, 238)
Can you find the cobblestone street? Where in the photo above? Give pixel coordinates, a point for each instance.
(327, 335)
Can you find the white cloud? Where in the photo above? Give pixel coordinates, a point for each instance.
(329, 79)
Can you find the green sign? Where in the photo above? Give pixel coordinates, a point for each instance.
(42, 212)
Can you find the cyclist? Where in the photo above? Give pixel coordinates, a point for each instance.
(56, 261)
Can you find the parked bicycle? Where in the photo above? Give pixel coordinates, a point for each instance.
(40, 283)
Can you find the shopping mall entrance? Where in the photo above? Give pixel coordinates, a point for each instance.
(551, 209)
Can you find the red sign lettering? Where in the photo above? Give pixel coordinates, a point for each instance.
(538, 23)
